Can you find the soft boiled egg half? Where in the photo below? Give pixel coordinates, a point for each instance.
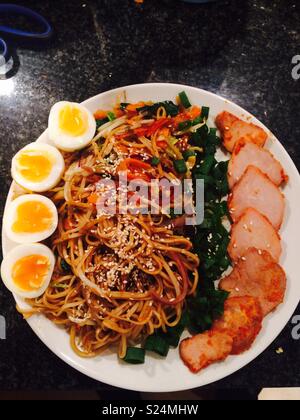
(27, 270)
(30, 218)
(38, 167)
(71, 126)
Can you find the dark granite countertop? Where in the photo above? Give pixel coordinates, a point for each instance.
(241, 50)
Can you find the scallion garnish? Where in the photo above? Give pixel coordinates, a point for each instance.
(184, 100)
(111, 116)
(180, 166)
(157, 344)
(101, 122)
(185, 125)
(135, 356)
(65, 266)
(124, 105)
(155, 161)
(197, 120)
(188, 153)
(205, 112)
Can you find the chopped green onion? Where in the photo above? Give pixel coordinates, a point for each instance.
(171, 109)
(101, 122)
(111, 116)
(188, 153)
(157, 344)
(124, 105)
(197, 120)
(135, 356)
(65, 266)
(155, 161)
(220, 170)
(184, 100)
(180, 166)
(185, 125)
(208, 163)
(205, 112)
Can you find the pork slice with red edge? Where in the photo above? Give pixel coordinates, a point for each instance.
(234, 129)
(202, 350)
(242, 320)
(255, 190)
(247, 153)
(253, 230)
(257, 274)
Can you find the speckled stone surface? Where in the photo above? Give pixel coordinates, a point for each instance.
(241, 50)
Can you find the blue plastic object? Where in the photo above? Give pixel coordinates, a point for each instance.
(24, 11)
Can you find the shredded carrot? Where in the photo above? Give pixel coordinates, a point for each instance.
(165, 132)
(138, 175)
(121, 148)
(162, 144)
(100, 114)
(93, 198)
(180, 118)
(134, 107)
(194, 112)
(118, 112)
(136, 164)
(148, 131)
(134, 169)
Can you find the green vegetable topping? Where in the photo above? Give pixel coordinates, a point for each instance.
(111, 116)
(157, 344)
(185, 125)
(184, 100)
(101, 122)
(205, 112)
(188, 153)
(198, 120)
(155, 161)
(65, 266)
(171, 109)
(124, 105)
(180, 166)
(135, 356)
(203, 309)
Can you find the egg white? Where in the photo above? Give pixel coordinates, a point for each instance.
(55, 175)
(64, 141)
(16, 254)
(10, 216)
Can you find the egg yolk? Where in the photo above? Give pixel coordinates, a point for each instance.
(29, 272)
(72, 121)
(34, 165)
(32, 217)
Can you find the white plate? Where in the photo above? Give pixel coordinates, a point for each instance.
(166, 375)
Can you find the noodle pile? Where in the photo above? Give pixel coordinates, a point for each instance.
(119, 277)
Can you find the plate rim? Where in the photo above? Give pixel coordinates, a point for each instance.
(140, 387)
